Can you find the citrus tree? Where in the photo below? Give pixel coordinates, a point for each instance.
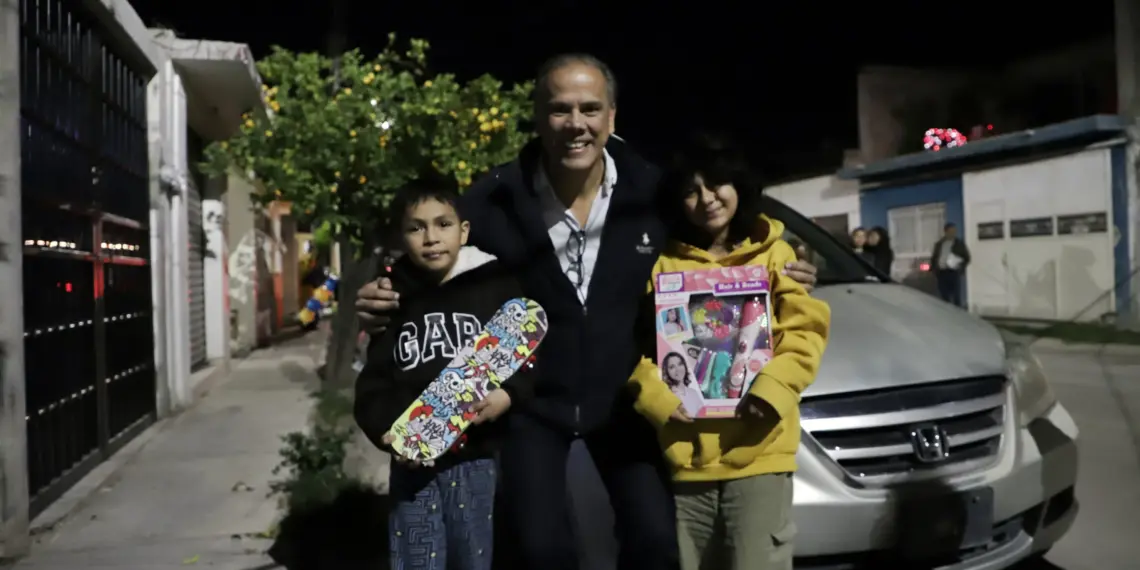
(338, 137)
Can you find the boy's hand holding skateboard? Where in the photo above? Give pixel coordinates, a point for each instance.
(388, 439)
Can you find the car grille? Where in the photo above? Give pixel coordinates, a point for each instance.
(904, 433)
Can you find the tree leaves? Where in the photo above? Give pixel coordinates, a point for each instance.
(337, 145)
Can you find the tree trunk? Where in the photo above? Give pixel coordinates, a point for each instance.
(356, 270)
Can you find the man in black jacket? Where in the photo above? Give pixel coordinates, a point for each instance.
(948, 261)
(545, 215)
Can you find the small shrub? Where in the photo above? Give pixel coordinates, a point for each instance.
(313, 462)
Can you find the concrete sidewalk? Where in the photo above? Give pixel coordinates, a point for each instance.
(195, 493)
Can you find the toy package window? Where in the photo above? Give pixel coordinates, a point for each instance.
(713, 335)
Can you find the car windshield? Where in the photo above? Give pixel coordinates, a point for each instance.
(836, 262)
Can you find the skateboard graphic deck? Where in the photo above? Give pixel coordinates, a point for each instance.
(436, 420)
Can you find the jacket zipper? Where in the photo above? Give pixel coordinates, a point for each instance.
(578, 407)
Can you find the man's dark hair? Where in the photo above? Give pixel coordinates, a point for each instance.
(562, 60)
(948, 226)
(428, 186)
(717, 162)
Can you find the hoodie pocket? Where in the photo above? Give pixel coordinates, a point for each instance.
(748, 441)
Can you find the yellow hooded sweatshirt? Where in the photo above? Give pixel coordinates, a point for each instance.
(721, 449)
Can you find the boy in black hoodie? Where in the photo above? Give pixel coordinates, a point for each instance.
(441, 512)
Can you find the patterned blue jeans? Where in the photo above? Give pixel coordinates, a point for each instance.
(442, 519)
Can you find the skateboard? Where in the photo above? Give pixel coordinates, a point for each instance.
(436, 421)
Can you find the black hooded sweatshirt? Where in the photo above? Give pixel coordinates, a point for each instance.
(433, 323)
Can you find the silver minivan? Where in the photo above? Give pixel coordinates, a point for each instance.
(929, 437)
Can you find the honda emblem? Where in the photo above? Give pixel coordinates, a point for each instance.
(930, 443)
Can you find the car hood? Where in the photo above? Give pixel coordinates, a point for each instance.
(885, 335)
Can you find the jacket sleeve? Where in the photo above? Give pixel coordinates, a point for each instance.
(800, 330)
(375, 407)
(520, 386)
(963, 252)
(652, 398)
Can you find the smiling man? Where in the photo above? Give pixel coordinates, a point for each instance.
(576, 215)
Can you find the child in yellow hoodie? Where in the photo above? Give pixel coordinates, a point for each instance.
(733, 476)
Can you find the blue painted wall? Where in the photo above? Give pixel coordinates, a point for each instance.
(874, 204)
(1122, 269)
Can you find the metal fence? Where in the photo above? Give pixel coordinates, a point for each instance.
(89, 337)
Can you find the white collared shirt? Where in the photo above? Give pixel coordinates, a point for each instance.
(564, 230)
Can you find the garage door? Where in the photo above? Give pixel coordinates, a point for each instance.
(1045, 224)
(197, 246)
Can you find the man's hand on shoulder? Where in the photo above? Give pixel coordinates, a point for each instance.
(374, 302)
(801, 272)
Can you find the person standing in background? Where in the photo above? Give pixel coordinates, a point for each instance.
(879, 246)
(859, 244)
(949, 260)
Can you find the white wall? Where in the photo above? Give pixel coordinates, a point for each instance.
(13, 426)
(168, 106)
(215, 281)
(820, 196)
(1051, 276)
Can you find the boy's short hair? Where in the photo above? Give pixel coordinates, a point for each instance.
(430, 186)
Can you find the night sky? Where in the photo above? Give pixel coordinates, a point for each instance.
(781, 78)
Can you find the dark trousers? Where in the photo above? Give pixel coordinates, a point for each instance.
(536, 517)
(442, 519)
(949, 286)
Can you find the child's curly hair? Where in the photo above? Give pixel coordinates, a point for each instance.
(717, 162)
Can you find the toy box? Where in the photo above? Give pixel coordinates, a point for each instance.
(713, 335)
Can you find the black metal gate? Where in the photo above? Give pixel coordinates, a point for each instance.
(89, 336)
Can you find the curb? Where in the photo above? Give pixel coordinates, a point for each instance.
(1055, 345)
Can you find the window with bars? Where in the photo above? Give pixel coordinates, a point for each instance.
(914, 230)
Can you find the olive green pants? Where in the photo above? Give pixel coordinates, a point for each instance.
(740, 524)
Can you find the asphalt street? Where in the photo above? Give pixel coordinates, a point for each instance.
(1102, 392)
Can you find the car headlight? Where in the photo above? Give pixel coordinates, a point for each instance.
(1034, 396)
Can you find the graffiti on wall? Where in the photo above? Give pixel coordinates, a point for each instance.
(214, 239)
(241, 265)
